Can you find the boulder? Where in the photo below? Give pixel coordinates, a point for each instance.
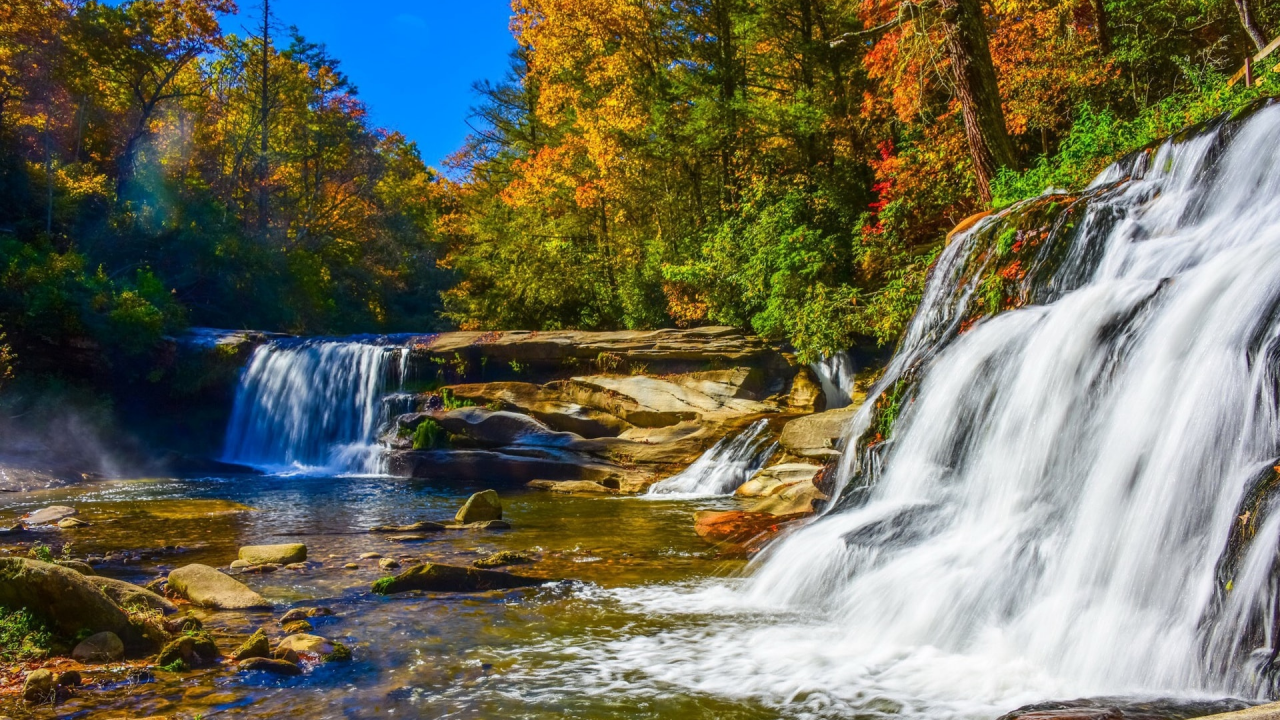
(269, 665)
(802, 498)
(421, 526)
(49, 515)
(388, 564)
(516, 464)
(434, 577)
(305, 644)
(206, 587)
(302, 613)
(774, 479)
(99, 648)
(745, 531)
(39, 687)
(69, 679)
(274, 554)
(83, 568)
(128, 595)
(647, 401)
(257, 646)
(546, 404)
(484, 505)
(298, 626)
(239, 564)
(574, 487)
(499, 428)
(194, 650)
(69, 601)
(806, 392)
(815, 436)
(504, 558)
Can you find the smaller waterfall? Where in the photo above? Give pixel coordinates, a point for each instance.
(835, 374)
(315, 404)
(720, 470)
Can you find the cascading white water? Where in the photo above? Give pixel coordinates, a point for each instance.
(722, 468)
(314, 404)
(1053, 512)
(835, 374)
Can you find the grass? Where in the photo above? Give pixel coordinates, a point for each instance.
(23, 636)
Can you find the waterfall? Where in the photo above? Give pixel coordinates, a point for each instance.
(835, 375)
(721, 469)
(1065, 488)
(316, 404)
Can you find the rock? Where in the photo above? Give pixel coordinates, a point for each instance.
(239, 564)
(483, 525)
(657, 402)
(296, 566)
(1119, 708)
(298, 626)
(302, 613)
(801, 498)
(499, 428)
(747, 531)
(269, 665)
(304, 644)
(49, 515)
(417, 527)
(481, 506)
(435, 577)
(388, 563)
(286, 655)
(516, 464)
(69, 601)
(39, 687)
(353, 566)
(128, 595)
(966, 224)
(573, 487)
(186, 623)
(209, 588)
(71, 523)
(69, 679)
(257, 646)
(194, 650)
(815, 436)
(505, 557)
(806, 392)
(83, 568)
(370, 556)
(274, 554)
(546, 405)
(15, 529)
(99, 648)
(263, 569)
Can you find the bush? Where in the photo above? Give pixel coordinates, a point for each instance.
(23, 636)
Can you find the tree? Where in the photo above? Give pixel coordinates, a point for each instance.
(1249, 20)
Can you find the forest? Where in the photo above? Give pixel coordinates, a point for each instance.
(789, 167)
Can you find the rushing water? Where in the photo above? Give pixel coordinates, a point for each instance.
(1050, 515)
(836, 374)
(316, 404)
(722, 468)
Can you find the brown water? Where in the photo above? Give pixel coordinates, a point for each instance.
(536, 653)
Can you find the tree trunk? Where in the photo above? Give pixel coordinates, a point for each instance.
(1103, 24)
(979, 93)
(263, 170)
(1251, 26)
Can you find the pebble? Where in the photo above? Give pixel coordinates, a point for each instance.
(388, 563)
(351, 566)
(370, 556)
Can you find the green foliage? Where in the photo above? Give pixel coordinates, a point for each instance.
(341, 653)
(177, 666)
(382, 586)
(40, 551)
(23, 636)
(429, 435)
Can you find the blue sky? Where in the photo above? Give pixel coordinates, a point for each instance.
(413, 62)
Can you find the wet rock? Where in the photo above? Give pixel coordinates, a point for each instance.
(239, 564)
(481, 506)
(815, 436)
(388, 563)
(263, 569)
(370, 556)
(69, 601)
(298, 626)
(744, 531)
(15, 529)
(194, 650)
(49, 515)
(772, 480)
(574, 487)
(305, 644)
(302, 613)
(296, 566)
(186, 623)
(484, 525)
(408, 537)
(209, 588)
(257, 646)
(274, 554)
(39, 687)
(806, 392)
(69, 679)
(1135, 709)
(270, 665)
(353, 566)
(83, 568)
(71, 523)
(99, 648)
(658, 402)
(546, 405)
(800, 498)
(418, 527)
(287, 655)
(435, 577)
(504, 558)
(128, 595)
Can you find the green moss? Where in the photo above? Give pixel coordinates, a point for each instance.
(177, 666)
(341, 653)
(23, 636)
(429, 436)
(382, 586)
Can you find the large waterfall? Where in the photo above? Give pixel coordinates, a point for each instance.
(1074, 497)
(315, 404)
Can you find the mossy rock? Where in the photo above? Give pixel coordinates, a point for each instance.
(434, 577)
(67, 600)
(193, 650)
(505, 557)
(257, 646)
(130, 596)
